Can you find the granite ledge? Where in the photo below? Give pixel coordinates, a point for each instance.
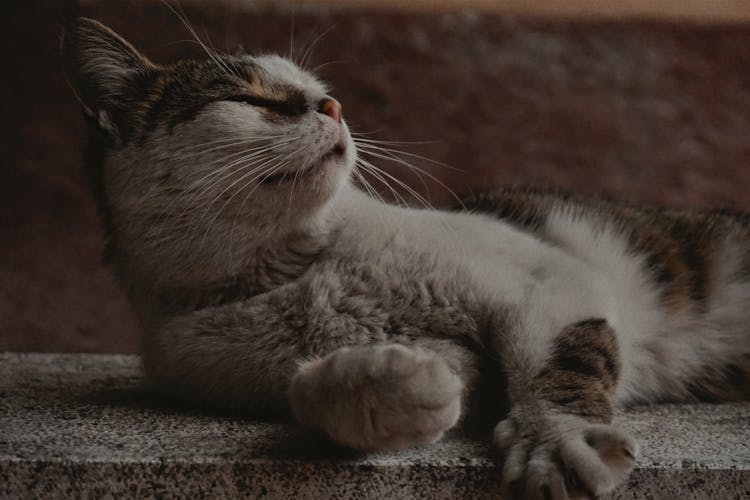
(82, 426)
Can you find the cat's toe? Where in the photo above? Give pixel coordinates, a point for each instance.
(505, 434)
(416, 404)
(598, 460)
(614, 448)
(566, 459)
(529, 473)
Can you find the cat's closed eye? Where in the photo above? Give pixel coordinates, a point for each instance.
(292, 107)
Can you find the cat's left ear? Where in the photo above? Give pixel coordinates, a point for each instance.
(105, 72)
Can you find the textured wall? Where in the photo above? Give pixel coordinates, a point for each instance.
(650, 111)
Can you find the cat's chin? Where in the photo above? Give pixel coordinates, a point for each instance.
(325, 165)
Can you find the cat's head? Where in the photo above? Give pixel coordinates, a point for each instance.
(201, 151)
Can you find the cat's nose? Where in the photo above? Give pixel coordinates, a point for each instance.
(331, 107)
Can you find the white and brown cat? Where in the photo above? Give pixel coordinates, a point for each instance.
(266, 281)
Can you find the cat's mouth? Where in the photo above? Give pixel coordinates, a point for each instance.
(335, 152)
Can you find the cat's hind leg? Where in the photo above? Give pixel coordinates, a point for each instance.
(378, 397)
(557, 439)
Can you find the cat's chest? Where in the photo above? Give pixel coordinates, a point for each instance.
(501, 263)
(493, 255)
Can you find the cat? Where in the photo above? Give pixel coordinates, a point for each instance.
(267, 281)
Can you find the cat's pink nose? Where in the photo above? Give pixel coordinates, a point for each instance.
(331, 107)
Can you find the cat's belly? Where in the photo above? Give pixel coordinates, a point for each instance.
(586, 274)
(554, 287)
(553, 284)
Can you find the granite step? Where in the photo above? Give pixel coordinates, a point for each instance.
(84, 426)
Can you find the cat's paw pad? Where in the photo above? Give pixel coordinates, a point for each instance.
(379, 397)
(562, 457)
(413, 398)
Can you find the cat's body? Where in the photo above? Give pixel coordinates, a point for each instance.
(375, 323)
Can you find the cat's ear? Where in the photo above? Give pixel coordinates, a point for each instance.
(105, 72)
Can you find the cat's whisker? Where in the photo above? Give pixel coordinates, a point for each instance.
(211, 53)
(227, 61)
(371, 191)
(246, 198)
(267, 172)
(244, 176)
(395, 196)
(252, 162)
(288, 157)
(372, 148)
(190, 205)
(418, 197)
(199, 186)
(283, 163)
(216, 51)
(245, 155)
(265, 167)
(199, 149)
(368, 133)
(236, 168)
(328, 63)
(242, 171)
(360, 142)
(217, 166)
(414, 168)
(240, 210)
(368, 187)
(369, 168)
(421, 180)
(378, 174)
(222, 140)
(291, 191)
(291, 35)
(425, 203)
(360, 167)
(303, 61)
(262, 176)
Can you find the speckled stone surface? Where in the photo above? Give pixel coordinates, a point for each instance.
(85, 426)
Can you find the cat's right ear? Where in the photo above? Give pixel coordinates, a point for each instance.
(103, 69)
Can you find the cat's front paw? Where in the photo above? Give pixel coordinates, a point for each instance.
(559, 456)
(378, 397)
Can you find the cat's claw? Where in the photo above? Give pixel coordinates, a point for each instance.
(558, 456)
(378, 397)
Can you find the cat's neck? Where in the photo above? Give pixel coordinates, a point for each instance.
(358, 215)
(256, 271)
(224, 270)
(224, 263)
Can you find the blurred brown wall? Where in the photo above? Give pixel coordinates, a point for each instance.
(654, 111)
